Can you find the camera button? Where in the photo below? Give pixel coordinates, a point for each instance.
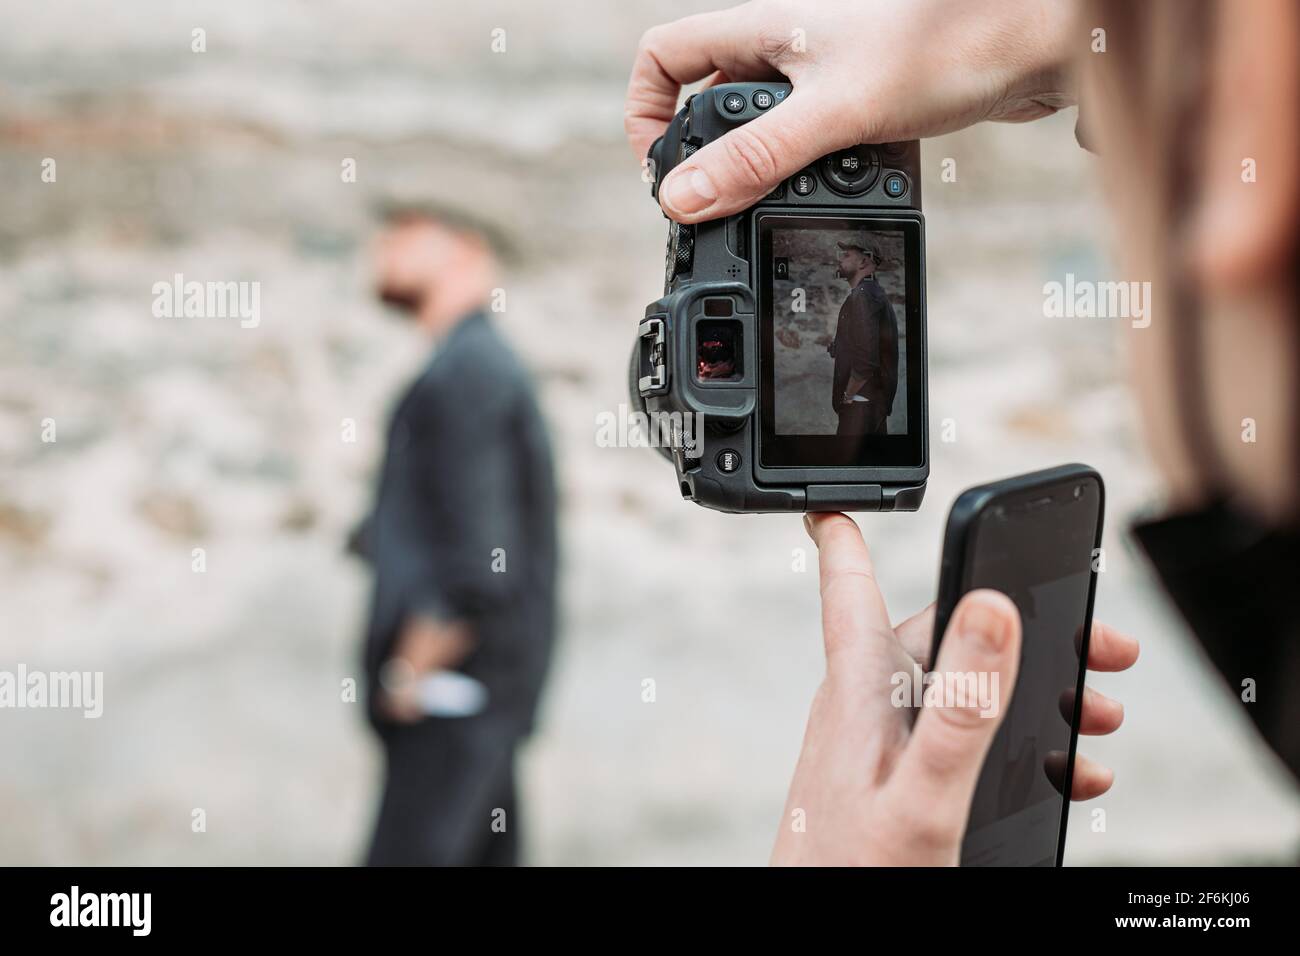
(733, 103)
(895, 185)
(728, 461)
(763, 100)
(852, 171)
(848, 163)
(803, 184)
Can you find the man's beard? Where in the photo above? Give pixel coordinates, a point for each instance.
(401, 299)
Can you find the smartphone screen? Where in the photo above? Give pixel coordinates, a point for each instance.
(1037, 546)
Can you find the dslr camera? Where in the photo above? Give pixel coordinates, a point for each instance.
(786, 359)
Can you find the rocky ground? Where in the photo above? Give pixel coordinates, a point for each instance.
(223, 688)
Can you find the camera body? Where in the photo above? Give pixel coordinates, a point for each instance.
(776, 402)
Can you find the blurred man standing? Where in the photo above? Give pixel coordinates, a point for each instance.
(462, 539)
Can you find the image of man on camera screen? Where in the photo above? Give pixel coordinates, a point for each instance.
(864, 332)
(865, 348)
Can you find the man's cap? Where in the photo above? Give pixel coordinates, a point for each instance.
(393, 209)
(864, 245)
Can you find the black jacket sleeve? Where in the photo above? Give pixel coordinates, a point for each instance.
(466, 507)
(889, 352)
(857, 350)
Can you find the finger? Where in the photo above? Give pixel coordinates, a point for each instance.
(1090, 778)
(941, 763)
(674, 54)
(1110, 650)
(717, 79)
(1100, 714)
(852, 605)
(916, 634)
(743, 71)
(741, 167)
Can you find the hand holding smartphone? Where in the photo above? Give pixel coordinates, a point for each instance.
(1035, 538)
(884, 779)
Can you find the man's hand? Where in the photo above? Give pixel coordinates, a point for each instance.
(854, 386)
(863, 71)
(872, 787)
(425, 645)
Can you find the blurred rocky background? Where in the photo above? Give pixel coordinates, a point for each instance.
(223, 688)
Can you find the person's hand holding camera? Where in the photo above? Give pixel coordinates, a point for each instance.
(925, 67)
(872, 787)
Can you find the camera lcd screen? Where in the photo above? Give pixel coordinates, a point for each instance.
(840, 313)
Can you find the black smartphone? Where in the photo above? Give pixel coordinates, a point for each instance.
(1037, 539)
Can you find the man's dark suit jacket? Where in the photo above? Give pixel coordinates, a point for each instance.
(866, 345)
(467, 490)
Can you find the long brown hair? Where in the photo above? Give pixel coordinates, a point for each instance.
(1154, 81)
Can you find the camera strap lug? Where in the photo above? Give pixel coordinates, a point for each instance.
(654, 345)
